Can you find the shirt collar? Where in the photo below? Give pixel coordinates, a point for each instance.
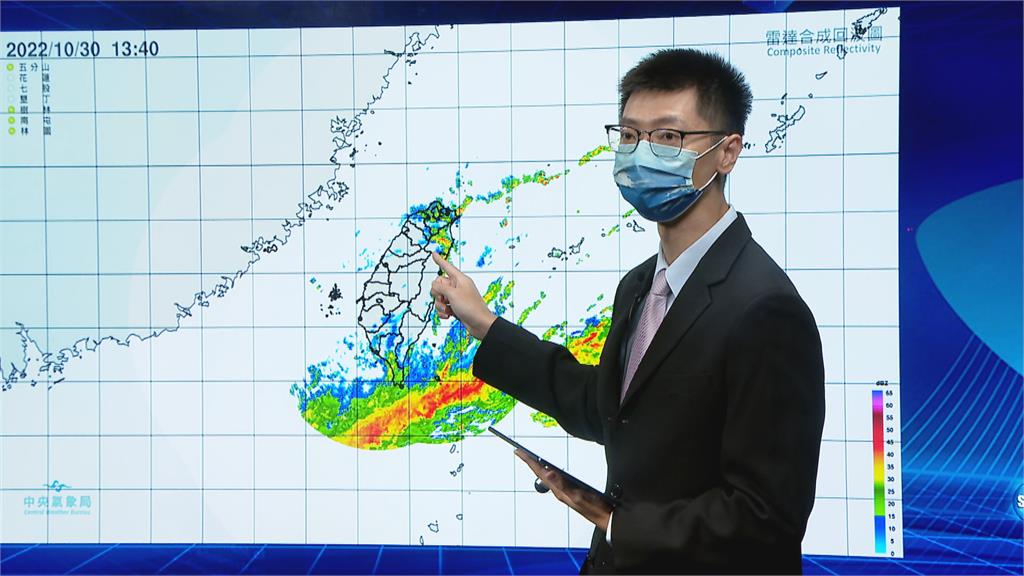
(679, 272)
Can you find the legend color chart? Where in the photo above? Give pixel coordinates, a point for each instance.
(885, 471)
(878, 455)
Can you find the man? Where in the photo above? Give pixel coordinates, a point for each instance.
(709, 395)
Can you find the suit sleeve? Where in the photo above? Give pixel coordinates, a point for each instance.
(774, 413)
(542, 374)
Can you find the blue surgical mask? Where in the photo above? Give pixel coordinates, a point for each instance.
(660, 188)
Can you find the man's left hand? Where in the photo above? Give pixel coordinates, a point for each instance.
(589, 506)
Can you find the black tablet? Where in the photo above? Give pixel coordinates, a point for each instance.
(574, 481)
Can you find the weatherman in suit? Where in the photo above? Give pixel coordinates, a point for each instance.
(709, 396)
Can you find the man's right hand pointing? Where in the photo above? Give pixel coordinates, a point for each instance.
(456, 295)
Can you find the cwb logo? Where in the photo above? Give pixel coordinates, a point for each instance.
(1018, 504)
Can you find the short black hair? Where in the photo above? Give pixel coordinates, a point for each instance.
(723, 95)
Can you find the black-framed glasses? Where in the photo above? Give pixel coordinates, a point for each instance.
(625, 139)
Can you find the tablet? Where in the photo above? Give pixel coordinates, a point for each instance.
(569, 478)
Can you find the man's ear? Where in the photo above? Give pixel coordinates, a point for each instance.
(731, 148)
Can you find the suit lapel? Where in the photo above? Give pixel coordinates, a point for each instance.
(690, 303)
(631, 292)
(687, 307)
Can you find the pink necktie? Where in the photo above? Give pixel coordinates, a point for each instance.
(650, 319)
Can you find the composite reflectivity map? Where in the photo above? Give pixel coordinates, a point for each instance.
(215, 323)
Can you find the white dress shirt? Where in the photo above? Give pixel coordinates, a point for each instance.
(677, 274)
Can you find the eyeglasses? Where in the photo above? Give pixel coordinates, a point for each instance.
(625, 139)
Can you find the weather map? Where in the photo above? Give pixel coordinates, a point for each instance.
(215, 321)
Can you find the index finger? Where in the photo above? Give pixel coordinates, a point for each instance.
(445, 265)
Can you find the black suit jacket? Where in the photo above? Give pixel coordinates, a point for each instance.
(714, 450)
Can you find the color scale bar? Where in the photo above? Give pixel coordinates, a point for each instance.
(878, 455)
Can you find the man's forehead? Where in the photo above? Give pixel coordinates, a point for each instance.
(662, 120)
(676, 108)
